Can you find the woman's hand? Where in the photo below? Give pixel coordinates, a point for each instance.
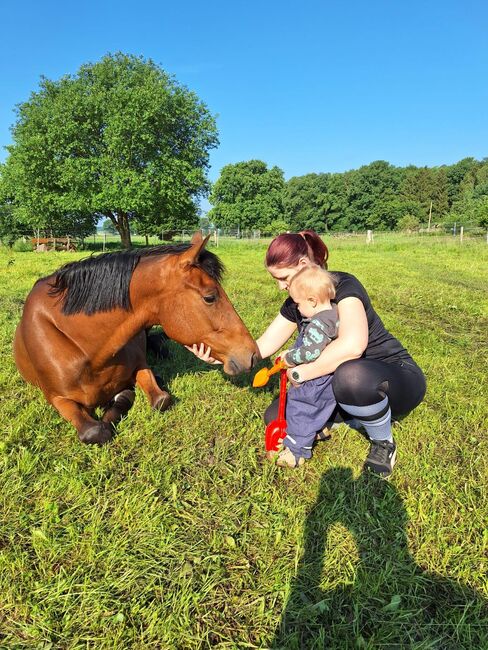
(204, 354)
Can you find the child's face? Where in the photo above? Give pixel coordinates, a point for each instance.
(306, 306)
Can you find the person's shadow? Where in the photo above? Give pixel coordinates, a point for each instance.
(390, 601)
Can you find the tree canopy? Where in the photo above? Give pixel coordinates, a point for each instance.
(247, 195)
(121, 140)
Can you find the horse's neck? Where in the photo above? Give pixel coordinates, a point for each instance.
(145, 296)
(125, 328)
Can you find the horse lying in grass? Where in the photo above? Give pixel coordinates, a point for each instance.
(82, 335)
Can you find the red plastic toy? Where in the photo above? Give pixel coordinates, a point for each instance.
(276, 429)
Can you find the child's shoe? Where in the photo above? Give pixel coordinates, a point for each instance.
(272, 455)
(287, 459)
(324, 434)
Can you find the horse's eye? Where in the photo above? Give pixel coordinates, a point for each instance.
(210, 299)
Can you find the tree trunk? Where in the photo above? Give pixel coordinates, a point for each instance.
(122, 225)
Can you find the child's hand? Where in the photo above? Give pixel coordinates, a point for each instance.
(283, 360)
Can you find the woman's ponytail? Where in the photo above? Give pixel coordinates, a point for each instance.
(319, 252)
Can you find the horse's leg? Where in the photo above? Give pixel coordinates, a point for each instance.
(156, 343)
(159, 399)
(119, 406)
(89, 430)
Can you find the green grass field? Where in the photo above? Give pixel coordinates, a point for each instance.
(180, 535)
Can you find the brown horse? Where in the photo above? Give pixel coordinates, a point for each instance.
(82, 341)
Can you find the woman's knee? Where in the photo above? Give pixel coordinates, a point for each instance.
(355, 383)
(271, 412)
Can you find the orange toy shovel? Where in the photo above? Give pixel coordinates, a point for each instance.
(261, 378)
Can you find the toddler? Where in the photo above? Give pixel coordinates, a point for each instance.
(309, 403)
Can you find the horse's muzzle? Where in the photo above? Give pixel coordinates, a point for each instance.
(234, 365)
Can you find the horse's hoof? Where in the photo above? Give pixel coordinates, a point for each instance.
(125, 399)
(163, 402)
(98, 434)
(120, 406)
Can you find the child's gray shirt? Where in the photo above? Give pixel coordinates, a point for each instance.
(316, 335)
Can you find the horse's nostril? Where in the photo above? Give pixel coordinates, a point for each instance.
(254, 359)
(234, 367)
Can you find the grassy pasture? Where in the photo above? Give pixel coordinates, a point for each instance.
(179, 534)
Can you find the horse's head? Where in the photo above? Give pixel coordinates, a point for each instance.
(196, 309)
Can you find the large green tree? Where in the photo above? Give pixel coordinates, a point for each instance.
(247, 195)
(120, 140)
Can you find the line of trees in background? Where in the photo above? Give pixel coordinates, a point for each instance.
(122, 141)
(380, 196)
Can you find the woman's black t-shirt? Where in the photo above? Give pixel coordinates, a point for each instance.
(381, 344)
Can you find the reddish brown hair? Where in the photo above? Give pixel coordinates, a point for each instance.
(287, 249)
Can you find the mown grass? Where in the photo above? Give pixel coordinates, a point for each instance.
(179, 534)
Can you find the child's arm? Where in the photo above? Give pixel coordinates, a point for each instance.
(315, 339)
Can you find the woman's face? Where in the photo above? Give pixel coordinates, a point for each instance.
(284, 274)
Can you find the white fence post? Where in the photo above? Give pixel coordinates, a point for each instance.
(369, 237)
(461, 233)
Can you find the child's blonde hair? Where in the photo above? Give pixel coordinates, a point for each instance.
(314, 281)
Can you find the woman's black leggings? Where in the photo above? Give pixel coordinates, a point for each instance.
(364, 382)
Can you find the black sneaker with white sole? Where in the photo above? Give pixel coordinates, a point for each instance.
(381, 457)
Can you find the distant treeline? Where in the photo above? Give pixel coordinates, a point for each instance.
(376, 196)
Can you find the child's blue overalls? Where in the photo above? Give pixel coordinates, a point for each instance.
(308, 408)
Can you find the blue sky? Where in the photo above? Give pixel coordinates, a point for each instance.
(309, 86)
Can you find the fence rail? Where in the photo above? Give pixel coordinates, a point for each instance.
(103, 240)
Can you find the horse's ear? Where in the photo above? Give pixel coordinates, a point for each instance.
(198, 243)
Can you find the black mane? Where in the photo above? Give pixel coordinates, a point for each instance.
(101, 283)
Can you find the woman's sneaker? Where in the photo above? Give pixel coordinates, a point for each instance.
(381, 457)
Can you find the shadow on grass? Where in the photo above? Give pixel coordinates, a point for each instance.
(393, 602)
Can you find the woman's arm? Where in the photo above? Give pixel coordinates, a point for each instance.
(350, 343)
(278, 332)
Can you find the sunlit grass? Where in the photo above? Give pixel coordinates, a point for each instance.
(179, 534)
